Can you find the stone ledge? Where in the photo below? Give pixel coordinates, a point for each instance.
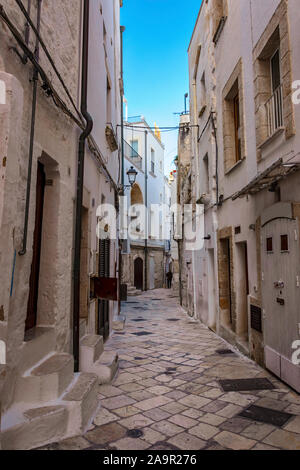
(270, 139)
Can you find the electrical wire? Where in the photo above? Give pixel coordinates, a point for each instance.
(51, 91)
(44, 47)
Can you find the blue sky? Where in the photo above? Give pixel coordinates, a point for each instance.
(156, 40)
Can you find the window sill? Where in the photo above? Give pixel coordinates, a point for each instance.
(237, 164)
(270, 139)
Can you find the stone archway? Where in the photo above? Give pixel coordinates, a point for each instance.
(136, 195)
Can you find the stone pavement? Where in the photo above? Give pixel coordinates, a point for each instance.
(166, 395)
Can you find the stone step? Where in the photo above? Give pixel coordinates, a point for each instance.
(39, 426)
(131, 288)
(91, 348)
(82, 327)
(118, 323)
(134, 293)
(46, 381)
(105, 367)
(82, 402)
(39, 343)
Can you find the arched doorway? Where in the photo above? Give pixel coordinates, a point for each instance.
(138, 273)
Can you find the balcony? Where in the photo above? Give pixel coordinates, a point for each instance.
(132, 155)
(274, 112)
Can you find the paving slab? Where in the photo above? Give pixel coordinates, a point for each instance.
(168, 396)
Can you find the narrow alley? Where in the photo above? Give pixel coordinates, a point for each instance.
(168, 396)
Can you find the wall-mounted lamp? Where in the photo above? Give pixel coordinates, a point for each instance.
(132, 174)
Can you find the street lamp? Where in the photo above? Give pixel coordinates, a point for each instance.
(132, 174)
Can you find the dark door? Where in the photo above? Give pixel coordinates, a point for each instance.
(138, 274)
(228, 253)
(103, 305)
(36, 256)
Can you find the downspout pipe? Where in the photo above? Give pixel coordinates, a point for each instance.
(122, 29)
(146, 205)
(217, 156)
(80, 180)
(35, 77)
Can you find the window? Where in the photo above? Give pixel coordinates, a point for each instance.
(104, 40)
(206, 175)
(219, 17)
(272, 55)
(269, 245)
(234, 139)
(284, 243)
(237, 128)
(275, 71)
(108, 102)
(202, 95)
(152, 161)
(135, 147)
(274, 104)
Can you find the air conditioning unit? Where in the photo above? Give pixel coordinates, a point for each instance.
(125, 247)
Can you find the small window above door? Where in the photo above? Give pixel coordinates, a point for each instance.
(269, 245)
(284, 243)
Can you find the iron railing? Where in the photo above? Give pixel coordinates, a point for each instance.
(132, 155)
(274, 111)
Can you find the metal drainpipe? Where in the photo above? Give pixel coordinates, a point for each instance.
(79, 189)
(122, 29)
(146, 218)
(217, 157)
(35, 77)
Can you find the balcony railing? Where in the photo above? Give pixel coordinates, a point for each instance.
(132, 155)
(274, 111)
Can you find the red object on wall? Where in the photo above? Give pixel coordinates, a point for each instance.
(105, 288)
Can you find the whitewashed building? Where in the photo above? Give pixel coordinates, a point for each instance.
(145, 261)
(243, 60)
(63, 64)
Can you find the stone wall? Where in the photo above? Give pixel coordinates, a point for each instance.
(158, 256)
(55, 146)
(276, 35)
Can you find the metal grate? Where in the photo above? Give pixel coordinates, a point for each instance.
(135, 433)
(256, 319)
(142, 333)
(244, 385)
(266, 415)
(224, 352)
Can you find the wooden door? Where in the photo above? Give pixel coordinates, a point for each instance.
(36, 256)
(138, 273)
(103, 305)
(281, 296)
